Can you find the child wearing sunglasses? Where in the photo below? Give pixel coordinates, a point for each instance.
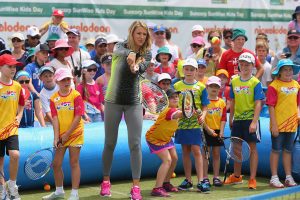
(91, 92)
(32, 102)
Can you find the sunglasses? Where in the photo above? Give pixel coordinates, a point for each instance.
(16, 40)
(196, 46)
(24, 81)
(210, 38)
(35, 37)
(92, 70)
(102, 45)
(293, 38)
(159, 33)
(228, 36)
(63, 49)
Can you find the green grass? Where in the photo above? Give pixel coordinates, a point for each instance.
(120, 190)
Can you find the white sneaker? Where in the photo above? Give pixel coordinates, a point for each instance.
(53, 196)
(275, 182)
(73, 197)
(12, 191)
(289, 182)
(3, 193)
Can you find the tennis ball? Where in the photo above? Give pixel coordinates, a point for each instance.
(215, 40)
(47, 187)
(174, 175)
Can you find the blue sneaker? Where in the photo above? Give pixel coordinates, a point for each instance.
(185, 185)
(203, 187)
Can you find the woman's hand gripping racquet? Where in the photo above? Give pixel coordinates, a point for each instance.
(237, 149)
(38, 164)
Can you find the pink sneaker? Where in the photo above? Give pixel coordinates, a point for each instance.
(105, 189)
(159, 192)
(135, 193)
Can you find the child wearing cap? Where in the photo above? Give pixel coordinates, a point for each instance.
(163, 56)
(189, 133)
(214, 127)
(283, 100)
(41, 53)
(106, 61)
(246, 97)
(67, 107)
(11, 106)
(46, 75)
(200, 76)
(150, 74)
(225, 89)
(91, 92)
(294, 24)
(159, 140)
(56, 25)
(32, 102)
(164, 81)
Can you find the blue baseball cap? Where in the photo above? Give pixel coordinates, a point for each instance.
(286, 62)
(22, 73)
(159, 29)
(202, 62)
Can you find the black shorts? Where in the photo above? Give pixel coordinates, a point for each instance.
(240, 128)
(10, 143)
(213, 141)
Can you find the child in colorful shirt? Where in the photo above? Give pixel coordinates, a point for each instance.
(246, 95)
(189, 133)
(159, 140)
(11, 106)
(214, 127)
(91, 92)
(66, 108)
(283, 98)
(163, 57)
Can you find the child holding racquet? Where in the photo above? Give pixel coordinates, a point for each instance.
(66, 108)
(283, 100)
(91, 92)
(246, 94)
(159, 140)
(214, 127)
(11, 105)
(189, 133)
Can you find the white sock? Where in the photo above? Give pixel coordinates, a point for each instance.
(288, 177)
(12, 183)
(74, 192)
(59, 190)
(273, 177)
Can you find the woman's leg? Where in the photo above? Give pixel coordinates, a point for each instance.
(134, 121)
(113, 115)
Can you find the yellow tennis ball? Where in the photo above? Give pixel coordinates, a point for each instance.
(174, 175)
(215, 40)
(47, 187)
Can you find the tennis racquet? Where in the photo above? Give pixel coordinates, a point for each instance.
(153, 98)
(238, 150)
(199, 113)
(187, 104)
(38, 164)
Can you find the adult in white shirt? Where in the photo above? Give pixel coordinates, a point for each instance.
(159, 40)
(78, 55)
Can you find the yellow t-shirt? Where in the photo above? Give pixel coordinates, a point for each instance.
(65, 108)
(216, 112)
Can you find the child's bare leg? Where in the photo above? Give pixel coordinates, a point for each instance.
(13, 164)
(174, 159)
(187, 163)
(2, 181)
(57, 163)
(164, 167)
(75, 167)
(216, 160)
(274, 158)
(287, 162)
(198, 161)
(253, 160)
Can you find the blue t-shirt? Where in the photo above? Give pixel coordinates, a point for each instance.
(33, 70)
(28, 113)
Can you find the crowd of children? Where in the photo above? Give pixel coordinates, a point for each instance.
(43, 83)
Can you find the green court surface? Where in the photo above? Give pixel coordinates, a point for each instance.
(120, 190)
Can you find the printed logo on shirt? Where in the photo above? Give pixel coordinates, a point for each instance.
(64, 106)
(242, 89)
(289, 90)
(9, 95)
(215, 110)
(56, 99)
